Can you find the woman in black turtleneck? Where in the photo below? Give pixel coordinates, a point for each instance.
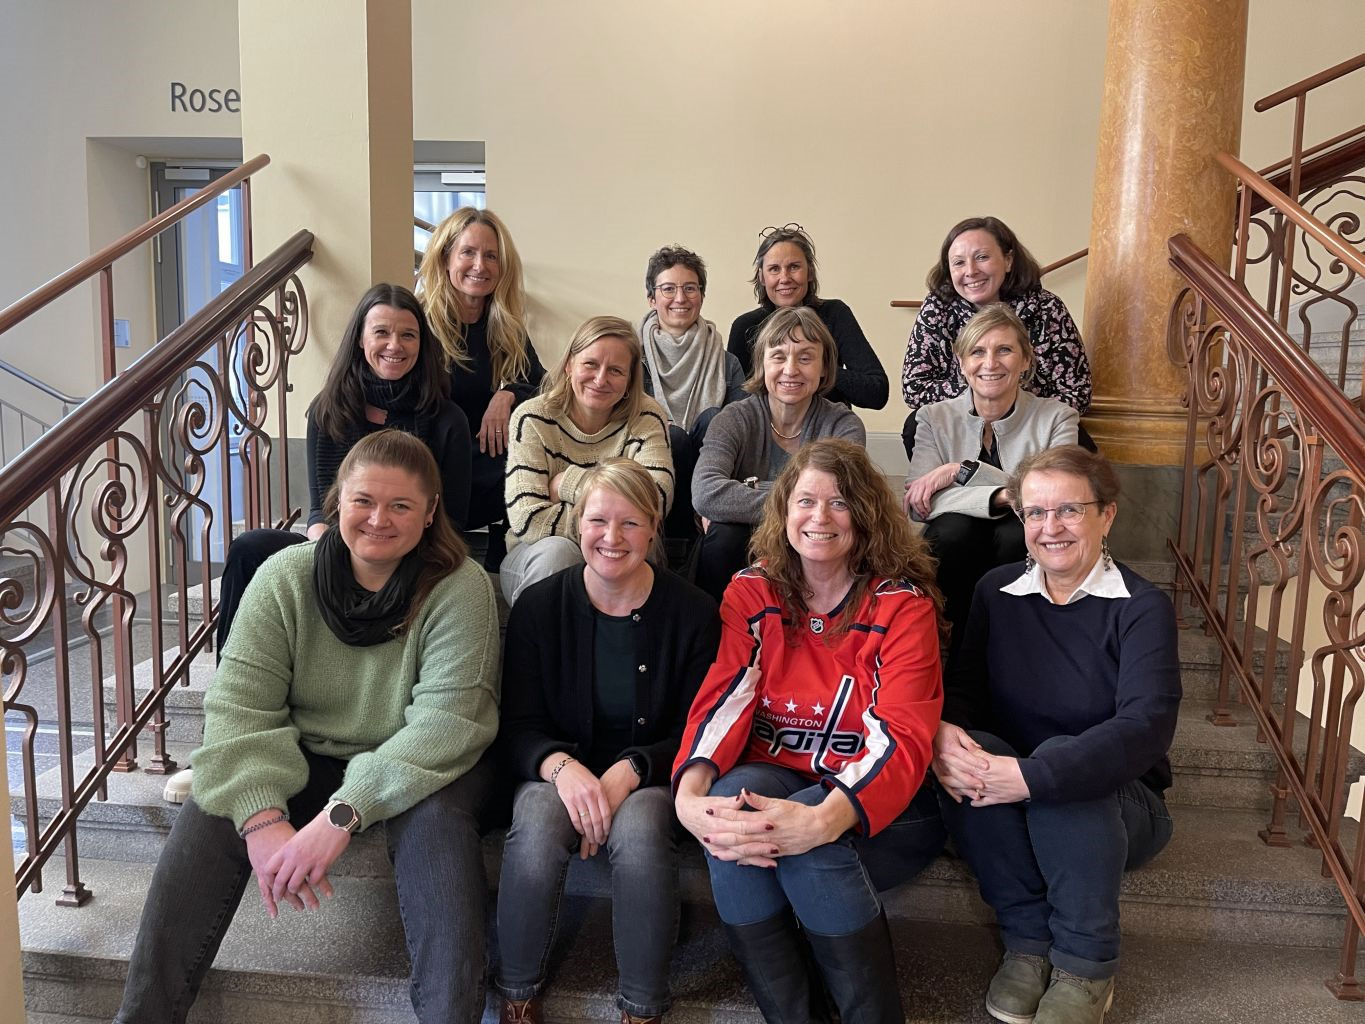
(470, 286)
(388, 371)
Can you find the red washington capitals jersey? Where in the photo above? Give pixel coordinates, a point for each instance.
(858, 713)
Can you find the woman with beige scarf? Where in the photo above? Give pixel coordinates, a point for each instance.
(687, 369)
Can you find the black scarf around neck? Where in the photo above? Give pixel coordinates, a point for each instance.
(360, 617)
(398, 398)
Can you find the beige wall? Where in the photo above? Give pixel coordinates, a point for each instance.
(611, 129)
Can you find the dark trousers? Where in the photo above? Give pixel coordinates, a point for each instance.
(245, 555)
(1052, 871)
(723, 551)
(680, 523)
(203, 873)
(487, 489)
(967, 547)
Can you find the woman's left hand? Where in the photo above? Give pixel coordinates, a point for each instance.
(618, 782)
(493, 429)
(919, 493)
(305, 860)
(1002, 782)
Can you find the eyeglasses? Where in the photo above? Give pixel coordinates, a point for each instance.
(1067, 512)
(791, 225)
(670, 290)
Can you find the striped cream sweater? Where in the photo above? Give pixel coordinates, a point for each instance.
(542, 446)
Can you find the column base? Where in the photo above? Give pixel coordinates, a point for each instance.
(1138, 431)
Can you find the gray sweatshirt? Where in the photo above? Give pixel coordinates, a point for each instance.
(740, 444)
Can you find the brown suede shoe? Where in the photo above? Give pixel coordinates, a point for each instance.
(630, 1018)
(521, 1011)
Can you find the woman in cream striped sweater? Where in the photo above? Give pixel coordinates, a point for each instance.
(591, 408)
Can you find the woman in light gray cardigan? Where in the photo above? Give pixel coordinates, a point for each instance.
(748, 443)
(965, 449)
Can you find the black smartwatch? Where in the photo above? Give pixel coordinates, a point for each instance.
(965, 471)
(641, 766)
(342, 815)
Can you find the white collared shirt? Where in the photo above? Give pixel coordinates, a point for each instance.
(1099, 582)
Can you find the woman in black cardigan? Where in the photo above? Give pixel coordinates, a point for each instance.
(601, 664)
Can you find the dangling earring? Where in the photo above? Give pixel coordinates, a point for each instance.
(1029, 563)
(1105, 557)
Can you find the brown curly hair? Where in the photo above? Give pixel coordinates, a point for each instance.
(883, 545)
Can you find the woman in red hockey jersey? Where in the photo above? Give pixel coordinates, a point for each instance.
(813, 732)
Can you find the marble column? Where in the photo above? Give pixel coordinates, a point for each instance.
(327, 93)
(1172, 101)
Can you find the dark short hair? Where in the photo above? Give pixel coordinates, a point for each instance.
(1074, 460)
(340, 406)
(674, 256)
(795, 234)
(1023, 276)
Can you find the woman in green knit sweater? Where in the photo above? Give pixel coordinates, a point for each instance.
(360, 686)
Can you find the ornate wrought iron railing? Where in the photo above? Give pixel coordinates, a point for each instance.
(1271, 552)
(128, 519)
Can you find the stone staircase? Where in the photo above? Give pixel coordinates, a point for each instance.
(1218, 927)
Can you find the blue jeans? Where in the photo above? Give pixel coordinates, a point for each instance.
(203, 872)
(642, 851)
(832, 888)
(1052, 871)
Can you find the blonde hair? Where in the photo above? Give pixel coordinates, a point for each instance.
(557, 387)
(883, 544)
(627, 478)
(777, 330)
(507, 337)
(992, 316)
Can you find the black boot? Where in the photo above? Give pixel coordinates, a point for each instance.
(772, 955)
(860, 971)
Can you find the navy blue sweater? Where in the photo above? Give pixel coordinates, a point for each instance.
(1104, 672)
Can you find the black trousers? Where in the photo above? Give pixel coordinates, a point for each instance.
(968, 547)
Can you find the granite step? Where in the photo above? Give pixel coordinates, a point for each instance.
(1215, 880)
(321, 967)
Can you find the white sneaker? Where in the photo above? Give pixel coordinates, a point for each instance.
(178, 786)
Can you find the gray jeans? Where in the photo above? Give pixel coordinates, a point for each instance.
(642, 851)
(204, 870)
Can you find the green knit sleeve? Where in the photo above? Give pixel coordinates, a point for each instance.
(453, 716)
(250, 759)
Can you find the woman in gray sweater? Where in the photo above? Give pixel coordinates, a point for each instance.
(794, 366)
(965, 449)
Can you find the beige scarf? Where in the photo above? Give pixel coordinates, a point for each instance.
(688, 372)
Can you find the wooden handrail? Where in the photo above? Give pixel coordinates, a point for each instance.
(424, 225)
(1319, 171)
(1042, 272)
(1295, 213)
(32, 473)
(1310, 83)
(1317, 399)
(1313, 150)
(92, 265)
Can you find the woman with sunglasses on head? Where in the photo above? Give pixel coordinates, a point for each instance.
(965, 449)
(1057, 716)
(471, 287)
(784, 277)
(686, 367)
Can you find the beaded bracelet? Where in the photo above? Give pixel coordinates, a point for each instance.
(554, 773)
(263, 824)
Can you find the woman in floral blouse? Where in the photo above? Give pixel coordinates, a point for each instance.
(981, 261)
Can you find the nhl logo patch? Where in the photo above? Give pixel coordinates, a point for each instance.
(817, 624)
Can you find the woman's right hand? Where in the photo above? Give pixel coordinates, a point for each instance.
(959, 762)
(261, 846)
(919, 493)
(586, 801)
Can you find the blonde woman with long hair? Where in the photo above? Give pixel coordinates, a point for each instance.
(592, 408)
(471, 286)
